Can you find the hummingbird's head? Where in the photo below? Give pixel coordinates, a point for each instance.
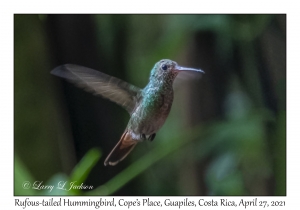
(167, 70)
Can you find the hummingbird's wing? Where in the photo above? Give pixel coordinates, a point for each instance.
(99, 83)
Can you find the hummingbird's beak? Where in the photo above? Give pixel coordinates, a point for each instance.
(181, 68)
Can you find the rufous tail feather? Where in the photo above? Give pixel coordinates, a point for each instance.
(121, 150)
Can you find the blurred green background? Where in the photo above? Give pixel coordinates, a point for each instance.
(225, 135)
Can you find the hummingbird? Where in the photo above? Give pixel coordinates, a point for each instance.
(148, 107)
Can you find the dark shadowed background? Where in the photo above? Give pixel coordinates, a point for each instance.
(225, 135)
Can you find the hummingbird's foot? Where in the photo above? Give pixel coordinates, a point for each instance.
(151, 137)
(148, 137)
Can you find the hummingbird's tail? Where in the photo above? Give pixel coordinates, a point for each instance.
(121, 150)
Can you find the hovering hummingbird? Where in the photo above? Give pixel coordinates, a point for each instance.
(148, 107)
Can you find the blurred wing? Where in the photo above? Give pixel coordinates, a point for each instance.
(99, 83)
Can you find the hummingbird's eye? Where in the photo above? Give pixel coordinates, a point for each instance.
(164, 67)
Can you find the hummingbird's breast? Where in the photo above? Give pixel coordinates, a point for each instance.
(151, 112)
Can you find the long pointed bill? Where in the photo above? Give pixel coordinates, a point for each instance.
(181, 68)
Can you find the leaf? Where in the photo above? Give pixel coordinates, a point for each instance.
(83, 168)
(23, 179)
(55, 181)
